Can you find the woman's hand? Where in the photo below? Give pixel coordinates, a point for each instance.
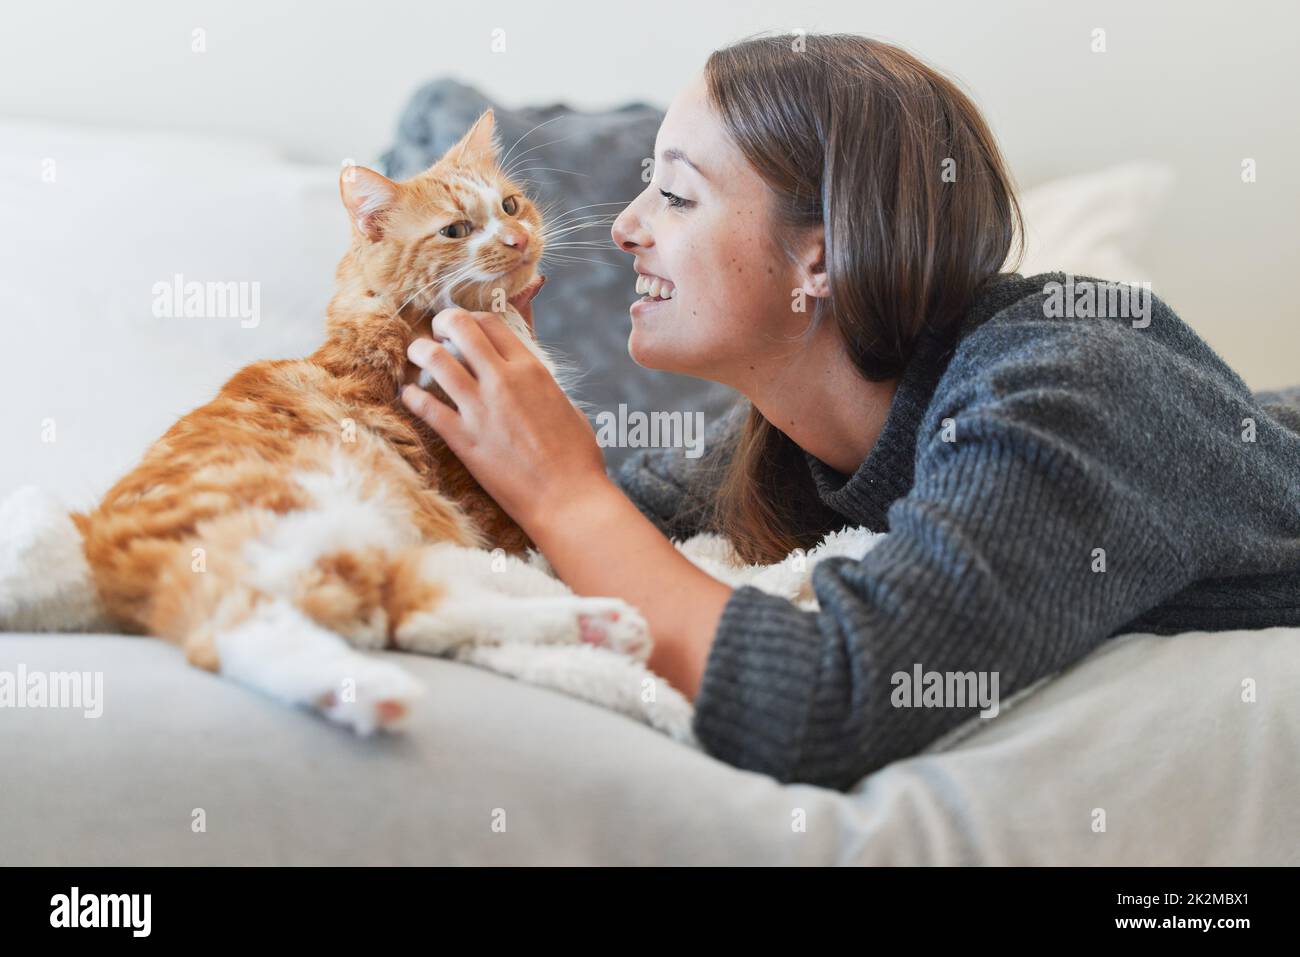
(513, 427)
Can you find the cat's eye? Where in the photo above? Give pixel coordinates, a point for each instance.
(510, 204)
(456, 230)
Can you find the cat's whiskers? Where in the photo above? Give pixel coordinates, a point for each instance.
(454, 276)
(617, 202)
(575, 236)
(585, 221)
(548, 169)
(551, 225)
(529, 133)
(515, 167)
(519, 158)
(554, 232)
(571, 237)
(561, 257)
(584, 217)
(578, 210)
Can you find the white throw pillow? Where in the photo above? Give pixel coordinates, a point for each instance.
(1093, 224)
(94, 220)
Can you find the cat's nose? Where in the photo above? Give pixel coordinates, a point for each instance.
(516, 239)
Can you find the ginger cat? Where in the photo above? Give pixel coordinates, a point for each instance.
(304, 513)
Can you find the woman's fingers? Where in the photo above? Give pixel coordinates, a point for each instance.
(445, 368)
(465, 330)
(447, 372)
(439, 416)
(506, 342)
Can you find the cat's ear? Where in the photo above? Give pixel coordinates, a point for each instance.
(367, 195)
(478, 145)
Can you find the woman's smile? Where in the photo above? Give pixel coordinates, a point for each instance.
(654, 290)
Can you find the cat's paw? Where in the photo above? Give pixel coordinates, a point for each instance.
(374, 695)
(616, 625)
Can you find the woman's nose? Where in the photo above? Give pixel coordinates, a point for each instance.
(629, 235)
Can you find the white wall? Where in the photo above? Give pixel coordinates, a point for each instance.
(1199, 85)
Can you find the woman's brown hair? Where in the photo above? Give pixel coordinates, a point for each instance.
(899, 169)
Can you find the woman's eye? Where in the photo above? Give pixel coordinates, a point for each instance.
(457, 230)
(510, 204)
(675, 200)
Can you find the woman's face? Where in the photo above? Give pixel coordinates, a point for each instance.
(713, 240)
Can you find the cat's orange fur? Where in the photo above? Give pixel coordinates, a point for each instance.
(167, 544)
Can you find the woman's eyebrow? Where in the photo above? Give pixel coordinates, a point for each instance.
(673, 153)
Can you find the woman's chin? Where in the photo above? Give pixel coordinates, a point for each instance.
(648, 348)
(641, 352)
(650, 351)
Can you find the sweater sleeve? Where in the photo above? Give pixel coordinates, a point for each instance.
(1016, 552)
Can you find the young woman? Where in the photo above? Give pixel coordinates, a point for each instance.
(829, 219)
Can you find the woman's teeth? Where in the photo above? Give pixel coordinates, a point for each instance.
(654, 287)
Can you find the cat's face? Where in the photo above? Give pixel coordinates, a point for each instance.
(460, 233)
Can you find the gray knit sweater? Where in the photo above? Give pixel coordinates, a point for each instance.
(1095, 476)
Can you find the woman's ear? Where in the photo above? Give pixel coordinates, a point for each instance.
(813, 278)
